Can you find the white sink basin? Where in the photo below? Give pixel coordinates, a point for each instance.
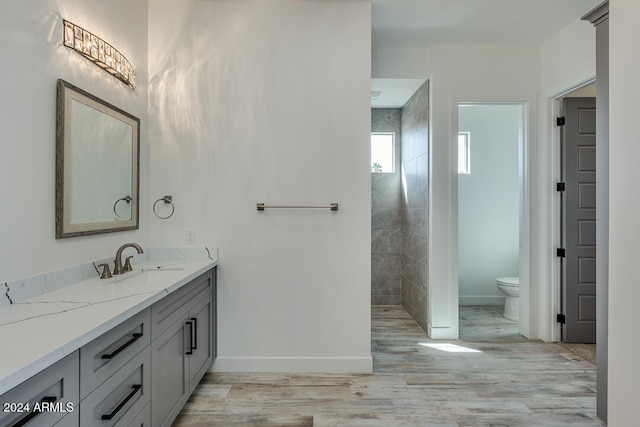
(148, 274)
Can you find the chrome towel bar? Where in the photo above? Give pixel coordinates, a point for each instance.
(262, 206)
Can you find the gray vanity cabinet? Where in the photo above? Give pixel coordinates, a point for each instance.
(54, 391)
(139, 373)
(114, 374)
(201, 355)
(182, 347)
(120, 398)
(69, 420)
(107, 354)
(143, 419)
(170, 364)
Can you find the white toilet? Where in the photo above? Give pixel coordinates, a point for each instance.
(510, 286)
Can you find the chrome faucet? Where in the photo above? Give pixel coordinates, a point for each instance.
(119, 269)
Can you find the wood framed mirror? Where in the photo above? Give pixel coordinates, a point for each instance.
(97, 165)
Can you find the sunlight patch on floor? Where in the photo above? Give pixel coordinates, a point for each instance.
(450, 348)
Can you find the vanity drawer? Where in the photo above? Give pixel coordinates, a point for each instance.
(119, 400)
(69, 420)
(143, 419)
(176, 305)
(54, 390)
(105, 355)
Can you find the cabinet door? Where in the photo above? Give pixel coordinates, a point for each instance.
(176, 305)
(214, 315)
(169, 373)
(201, 342)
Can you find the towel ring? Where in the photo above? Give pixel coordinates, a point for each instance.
(126, 199)
(165, 199)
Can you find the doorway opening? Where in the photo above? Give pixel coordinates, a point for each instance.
(399, 195)
(490, 147)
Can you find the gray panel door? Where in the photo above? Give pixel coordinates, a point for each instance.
(579, 288)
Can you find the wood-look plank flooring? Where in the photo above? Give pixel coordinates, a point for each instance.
(510, 381)
(485, 323)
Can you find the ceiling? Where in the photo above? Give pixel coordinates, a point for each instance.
(393, 93)
(420, 23)
(416, 23)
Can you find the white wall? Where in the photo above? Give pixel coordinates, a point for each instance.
(624, 231)
(401, 63)
(33, 58)
(268, 101)
(531, 74)
(488, 201)
(460, 73)
(567, 61)
(568, 56)
(470, 73)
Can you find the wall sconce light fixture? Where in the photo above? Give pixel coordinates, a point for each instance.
(99, 52)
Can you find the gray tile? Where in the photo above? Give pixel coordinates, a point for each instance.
(385, 199)
(385, 241)
(385, 299)
(409, 269)
(385, 219)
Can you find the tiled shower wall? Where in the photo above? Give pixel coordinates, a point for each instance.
(414, 212)
(386, 242)
(399, 214)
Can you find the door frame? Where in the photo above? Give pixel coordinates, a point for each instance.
(523, 186)
(539, 268)
(523, 207)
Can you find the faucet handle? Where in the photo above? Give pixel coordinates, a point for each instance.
(106, 271)
(127, 263)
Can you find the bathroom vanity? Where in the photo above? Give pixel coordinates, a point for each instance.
(125, 351)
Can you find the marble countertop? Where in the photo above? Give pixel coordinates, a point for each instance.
(38, 331)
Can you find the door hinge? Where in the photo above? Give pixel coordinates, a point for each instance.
(560, 121)
(560, 318)
(560, 252)
(560, 186)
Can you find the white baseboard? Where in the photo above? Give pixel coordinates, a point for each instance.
(442, 333)
(481, 300)
(355, 365)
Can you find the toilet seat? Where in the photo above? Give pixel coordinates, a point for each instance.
(508, 281)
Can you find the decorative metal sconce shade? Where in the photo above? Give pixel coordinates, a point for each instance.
(99, 52)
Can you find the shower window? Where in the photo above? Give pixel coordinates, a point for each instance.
(383, 153)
